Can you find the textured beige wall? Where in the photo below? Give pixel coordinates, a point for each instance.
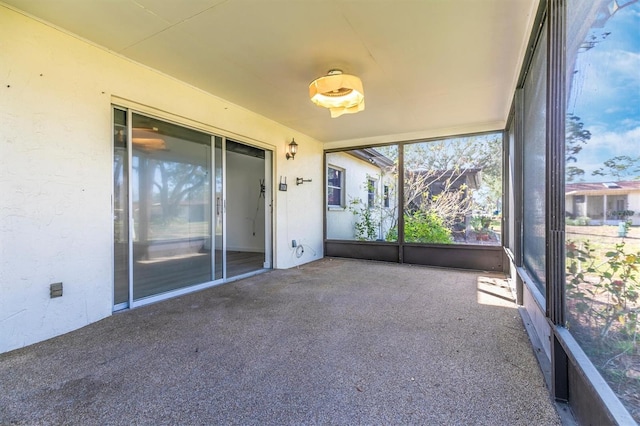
(56, 94)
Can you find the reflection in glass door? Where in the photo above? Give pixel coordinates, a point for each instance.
(171, 181)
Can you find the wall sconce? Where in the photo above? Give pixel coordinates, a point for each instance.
(293, 149)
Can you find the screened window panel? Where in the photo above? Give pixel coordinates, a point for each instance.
(357, 207)
(534, 160)
(511, 195)
(453, 191)
(602, 117)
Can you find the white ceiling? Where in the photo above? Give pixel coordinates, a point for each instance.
(427, 66)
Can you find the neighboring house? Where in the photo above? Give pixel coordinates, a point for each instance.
(437, 182)
(458, 184)
(599, 201)
(365, 179)
(358, 180)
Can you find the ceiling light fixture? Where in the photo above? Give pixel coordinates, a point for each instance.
(150, 144)
(148, 140)
(341, 93)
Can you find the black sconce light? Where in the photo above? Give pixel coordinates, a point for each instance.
(293, 149)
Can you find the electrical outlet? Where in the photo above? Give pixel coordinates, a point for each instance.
(294, 243)
(55, 290)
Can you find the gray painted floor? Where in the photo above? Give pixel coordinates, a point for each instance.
(332, 342)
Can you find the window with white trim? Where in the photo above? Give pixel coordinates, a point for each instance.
(335, 187)
(371, 192)
(385, 196)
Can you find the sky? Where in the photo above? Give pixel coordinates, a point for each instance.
(605, 93)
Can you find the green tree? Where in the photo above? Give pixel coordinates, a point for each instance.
(444, 163)
(576, 137)
(620, 167)
(172, 183)
(426, 227)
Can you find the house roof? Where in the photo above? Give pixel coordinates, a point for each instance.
(373, 156)
(429, 68)
(598, 188)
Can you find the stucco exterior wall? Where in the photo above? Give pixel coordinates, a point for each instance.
(633, 203)
(340, 221)
(56, 172)
(568, 202)
(593, 207)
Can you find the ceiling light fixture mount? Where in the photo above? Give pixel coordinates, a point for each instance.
(340, 93)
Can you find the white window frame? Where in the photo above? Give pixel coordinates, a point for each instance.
(386, 196)
(372, 191)
(341, 187)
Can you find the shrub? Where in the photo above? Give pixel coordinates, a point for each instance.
(392, 235)
(481, 223)
(610, 299)
(578, 221)
(621, 214)
(426, 227)
(365, 226)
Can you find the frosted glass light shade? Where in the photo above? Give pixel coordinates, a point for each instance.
(148, 139)
(340, 93)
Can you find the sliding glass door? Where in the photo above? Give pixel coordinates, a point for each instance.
(171, 233)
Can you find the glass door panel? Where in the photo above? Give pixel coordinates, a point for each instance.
(171, 190)
(218, 218)
(246, 200)
(120, 209)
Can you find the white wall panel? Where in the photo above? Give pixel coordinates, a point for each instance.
(55, 172)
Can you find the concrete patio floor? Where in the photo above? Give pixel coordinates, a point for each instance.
(333, 342)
